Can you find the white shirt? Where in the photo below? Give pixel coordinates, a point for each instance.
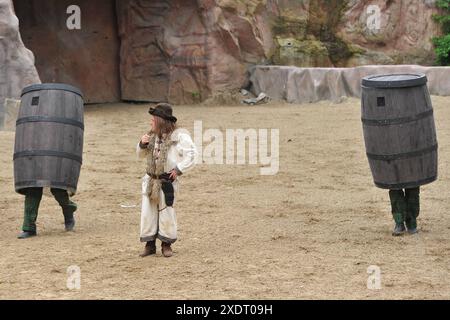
(181, 155)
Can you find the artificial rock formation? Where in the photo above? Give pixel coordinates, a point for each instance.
(404, 36)
(163, 52)
(337, 33)
(184, 51)
(87, 58)
(16, 62)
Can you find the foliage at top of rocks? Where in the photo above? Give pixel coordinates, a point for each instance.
(442, 43)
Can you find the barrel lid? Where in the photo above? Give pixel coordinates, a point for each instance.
(52, 86)
(394, 80)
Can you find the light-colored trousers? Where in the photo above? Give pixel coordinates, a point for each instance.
(157, 220)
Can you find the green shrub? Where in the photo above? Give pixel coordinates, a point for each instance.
(442, 44)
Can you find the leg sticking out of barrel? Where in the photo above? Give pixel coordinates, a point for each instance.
(33, 198)
(48, 149)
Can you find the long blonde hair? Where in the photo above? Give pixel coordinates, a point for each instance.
(163, 126)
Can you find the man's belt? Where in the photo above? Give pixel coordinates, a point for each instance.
(166, 186)
(163, 176)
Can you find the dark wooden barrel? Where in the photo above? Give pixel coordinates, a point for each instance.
(399, 130)
(49, 137)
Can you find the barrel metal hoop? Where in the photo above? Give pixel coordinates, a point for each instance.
(52, 86)
(371, 82)
(405, 155)
(50, 119)
(47, 153)
(52, 183)
(404, 185)
(389, 122)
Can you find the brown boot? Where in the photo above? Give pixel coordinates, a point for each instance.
(150, 248)
(166, 249)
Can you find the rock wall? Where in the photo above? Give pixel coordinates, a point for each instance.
(87, 58)
(163, 51)
(404, 36)
(338, 33)
(184, 51)
(16, 62)
(8, 115)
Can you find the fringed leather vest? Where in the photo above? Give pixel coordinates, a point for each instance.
(156, 161)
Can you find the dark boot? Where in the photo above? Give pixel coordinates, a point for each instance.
(399, 228)
(412, 209)
(398, 204)
(166, 249)
(33, 198)
(150, 248)
(69, 224)
(68, 207)
(26, 234)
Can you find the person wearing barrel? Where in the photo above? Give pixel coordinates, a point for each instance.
(170, 153)
(48, 149)
(33, 198)
(401, 142)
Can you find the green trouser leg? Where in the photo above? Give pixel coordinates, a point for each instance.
(412, 197)
(33, 198)
(68, 206)
(398, 204)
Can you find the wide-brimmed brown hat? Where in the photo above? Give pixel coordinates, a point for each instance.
(163, 110)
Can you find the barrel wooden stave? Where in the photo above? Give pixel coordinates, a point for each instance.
(404, 173)
(56, 173)
(49, 171)
(406, 136)
(416, 98)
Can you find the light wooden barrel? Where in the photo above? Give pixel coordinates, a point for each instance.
(399, 130)
(49, 137)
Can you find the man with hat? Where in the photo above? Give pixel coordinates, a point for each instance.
(169, 153)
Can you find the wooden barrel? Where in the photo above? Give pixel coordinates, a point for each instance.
(49, 137)
(399, 130)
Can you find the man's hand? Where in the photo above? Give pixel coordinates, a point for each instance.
(173, 174)
(145, 139)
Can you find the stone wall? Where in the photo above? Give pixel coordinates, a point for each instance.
(305, 85)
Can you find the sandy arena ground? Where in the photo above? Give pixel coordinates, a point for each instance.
(309, 232)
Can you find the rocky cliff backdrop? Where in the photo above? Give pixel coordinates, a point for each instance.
(185, 51)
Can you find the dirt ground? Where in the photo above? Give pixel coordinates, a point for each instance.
(309, 232)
